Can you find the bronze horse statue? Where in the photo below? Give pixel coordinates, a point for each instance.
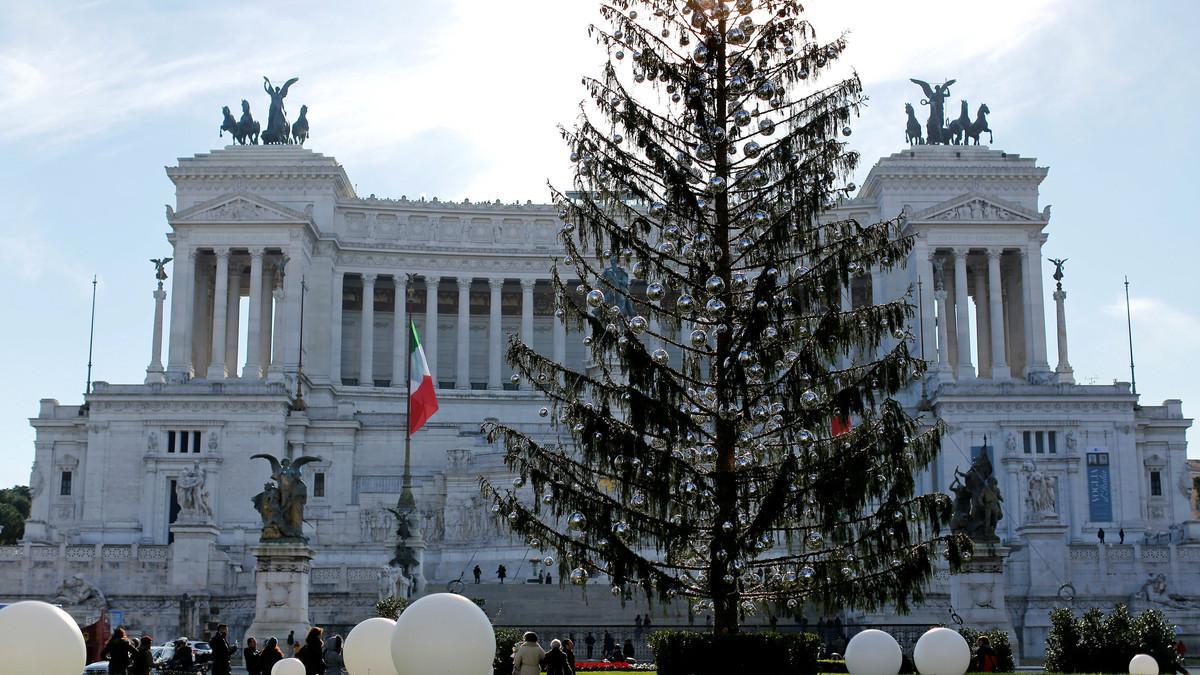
(980, 125)
(300, 127)
(243, 132)
(956, 132)
(912, 134)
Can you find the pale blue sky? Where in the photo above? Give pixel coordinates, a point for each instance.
(462, 98)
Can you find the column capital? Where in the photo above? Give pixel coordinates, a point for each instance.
(222, 252)
(994, 252)
(464, 283)
(933, 253)
(369, 278)
(257, 252)
(528, 284)
(190, 253)
(399, 280)
(961, 251)
(496, 283)
(432, 281)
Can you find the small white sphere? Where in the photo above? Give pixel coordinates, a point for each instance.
(24, 625)
(443, 634)
(942, 651)
(288, 667)
(873, 652)
(1143, 664)
(368, 647)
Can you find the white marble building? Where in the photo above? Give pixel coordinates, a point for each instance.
(257, 230)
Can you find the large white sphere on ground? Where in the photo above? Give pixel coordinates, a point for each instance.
(288, 667)
(1143, 664)
(443, 634)
(873, 652)
(368, 648)
(36, 637)
(942, 651)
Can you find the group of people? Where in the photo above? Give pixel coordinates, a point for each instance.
(318, 657)
(129, 657)
(530, 659)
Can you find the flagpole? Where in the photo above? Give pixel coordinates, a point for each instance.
(406, 495)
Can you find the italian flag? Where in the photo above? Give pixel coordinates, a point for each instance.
(422, 399)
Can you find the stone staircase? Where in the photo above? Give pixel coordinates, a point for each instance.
(531, 604)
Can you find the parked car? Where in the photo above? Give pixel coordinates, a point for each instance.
(97, 668)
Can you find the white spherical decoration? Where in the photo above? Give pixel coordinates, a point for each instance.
(443, 634)
(24, 624)
(368, 648)
(873, 652)
(942, 651)
(1143, 664)
(288, 667)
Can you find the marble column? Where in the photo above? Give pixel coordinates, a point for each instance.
(335, 326)
(928, 325)
(179, 357)
(275, 371)
(1038, 325)
(266, 310)
(216, 365)
(293, 277)
(233, 309)
(253, 368)
(527, 286)
(462, 374)
(1063, 374)
(154, 371)
(943, 331)
(983, 320)
(366, 368)
(494, 333)
(400, 332)
(560, 341)
(1000, 369)
(965, 370)
(430, 339)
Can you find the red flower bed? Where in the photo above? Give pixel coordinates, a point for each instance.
(602, 666)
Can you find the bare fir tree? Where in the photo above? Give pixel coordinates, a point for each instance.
(735, 439)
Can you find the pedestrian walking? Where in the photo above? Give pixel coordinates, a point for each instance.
(478, 573)
(1100, 535)
(1181, 649)
(182, 659)
(251, 658)
(590, 642)
(608, 646)
(143, 662)
(1121, 535)
(271, 654)
(629, 652)
(569, 650)
(556, 659)
(312, 654)
(222, 651)
(528, 660)
(501, 573)
(291, 639)
(335, 662)
(119, 653)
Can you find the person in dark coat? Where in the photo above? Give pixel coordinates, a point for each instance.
(143, 662)
(182, 659)
(628, 649)
(556, 660)
(119, 652)
(335, 659)
(222, 651)
(590, 643)
(501, 573)
(478, 573)
(291, 638)
(569, 650)
(269, 656)
(251, 658)
(985, 655)
(312, 654)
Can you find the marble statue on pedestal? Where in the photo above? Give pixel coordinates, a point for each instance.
(190, 490)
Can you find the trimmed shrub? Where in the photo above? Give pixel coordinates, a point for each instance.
(1094, 643)
(694, 653)
(999, 640)
(505, 639)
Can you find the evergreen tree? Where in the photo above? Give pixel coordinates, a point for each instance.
(704, 452)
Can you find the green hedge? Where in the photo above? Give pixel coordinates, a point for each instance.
(1095, 643)
(999, 640)
(505, 639)
(694, 653)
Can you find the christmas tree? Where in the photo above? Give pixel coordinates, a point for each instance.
(735, 439)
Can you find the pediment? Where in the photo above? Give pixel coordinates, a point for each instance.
(239, 208)
(978, 208)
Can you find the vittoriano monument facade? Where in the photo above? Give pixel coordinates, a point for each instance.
(252, 223)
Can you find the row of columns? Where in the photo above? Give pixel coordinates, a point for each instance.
(462, 376)
(272, 294)
(996, 300)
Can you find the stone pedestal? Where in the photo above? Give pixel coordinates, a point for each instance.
(977, 592)
(281, 578)
(191, 553)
